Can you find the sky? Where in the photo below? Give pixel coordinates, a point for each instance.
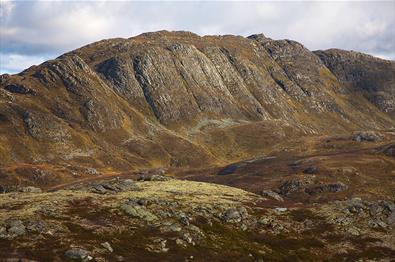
(37, 30)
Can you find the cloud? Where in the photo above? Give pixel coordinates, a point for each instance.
(14, 63)
(39, 29)
(5, 9)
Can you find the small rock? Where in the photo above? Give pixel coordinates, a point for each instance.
(19, 89)
(389, 150)
(158, 246)
(326, 188)
(142, 202)
(112, 186)
(3, 232)
(181, 242)
(281, 209)
(243, 227)
(78, 254)
(188, 238)
(356, 208)
(353, 231)
(159, 178)
(184, 220)
(366, 136)
(30, 189)
(139, 211)
(171, 228)
(342, 221)
(265, 221)
(16, 228)
(308, 223)
(141, 177)
(127, 183)
(347, 171)
(92, 171)
(375, 209)
(231, 216)
(99, 189)
(391, 218)
(377, 224)
(243, 212)
(272, 194)
(175, 228)
(293, 185)
(311, 170)
(389, 206)
(195, 229)
(36, 226)
(107, 246)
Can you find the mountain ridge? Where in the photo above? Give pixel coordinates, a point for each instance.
(179, 99)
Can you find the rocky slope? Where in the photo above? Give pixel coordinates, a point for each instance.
(371, 76)
(178, 99)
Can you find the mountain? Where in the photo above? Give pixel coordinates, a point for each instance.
(176, 99)
(175, 147)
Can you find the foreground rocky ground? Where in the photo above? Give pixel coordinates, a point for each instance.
(174, 220)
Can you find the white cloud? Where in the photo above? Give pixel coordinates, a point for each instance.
(41, 28)
(14, 63)
(6, 7)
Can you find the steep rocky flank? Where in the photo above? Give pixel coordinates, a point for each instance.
(371, 76)
(178, 99)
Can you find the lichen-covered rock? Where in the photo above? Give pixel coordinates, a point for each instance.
(78, 254)
(19, 89)
(234, 215)
(109, 186)
(294, 185)
(45, 127)
(366, 136)
(389, 150)
(272, 194)
(13, 228)
(30, 189)
(326, 188)
(158, 246)
(138, 212)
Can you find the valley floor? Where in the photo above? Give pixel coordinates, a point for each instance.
(333, 202)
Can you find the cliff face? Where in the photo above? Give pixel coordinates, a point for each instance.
(178, 99)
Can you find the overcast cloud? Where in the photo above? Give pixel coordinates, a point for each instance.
(34, 31)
